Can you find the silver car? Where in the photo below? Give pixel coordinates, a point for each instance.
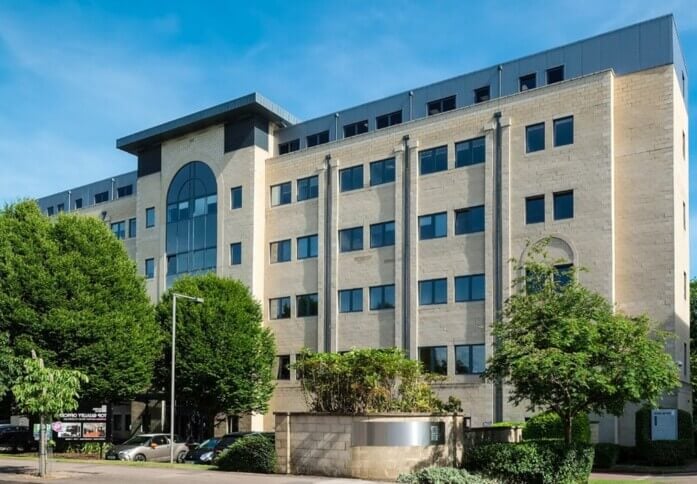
(148, 447)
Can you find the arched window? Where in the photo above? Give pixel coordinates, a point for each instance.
(192, 205)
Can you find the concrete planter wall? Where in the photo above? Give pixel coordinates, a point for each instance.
(489, 435)
(368, 446)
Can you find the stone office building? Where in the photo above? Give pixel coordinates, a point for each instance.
(392, 223)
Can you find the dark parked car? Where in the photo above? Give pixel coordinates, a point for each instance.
(17, 439)
(228, 439)
(202, 454)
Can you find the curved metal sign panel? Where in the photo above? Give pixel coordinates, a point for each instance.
(397, 434)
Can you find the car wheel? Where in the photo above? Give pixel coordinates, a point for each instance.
(180, 457)
(139, 458)
(19, 448)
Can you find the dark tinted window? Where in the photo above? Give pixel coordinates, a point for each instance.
(469, 359)
(289, 147)
(279, 308)
(78, 203)
(355, 128)
(49, 211)
(382, 297)
(469, 220)
(351, 178)
(60, 207)
(308, 188)
(283, 367)
(482, 94)
(528, 82)
(433, 226)
(388, 119)
(101, 197)
(307, 247)
(351, 300)
(433, 160)
(555, 74)
(535, 137)
(434, 291)
(535, 209)
(563, 274)
(131, 228)
(441, 105)
(469, 288)
(434, 359)
(149, 268)
(351, 239)
(318, 139)
(306, 305)
(124, 191)
(470, 152)
(281, 194)
(382, 234)
(119, 230)
(280, 251)
(564, 131)
(149, 217)
(235, 198)
(563, 205)
(382, 172)
(236, 253)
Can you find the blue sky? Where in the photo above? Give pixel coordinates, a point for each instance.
(74, 76)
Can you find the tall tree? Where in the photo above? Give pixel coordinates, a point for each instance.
(69, 291)
(224, 356)
(564, 349)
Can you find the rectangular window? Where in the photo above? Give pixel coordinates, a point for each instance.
(381, 172)
(127, 421)
(318, 139)
(355, 128)
(433, 160)
(555, 74)
(535, 209)
(306, 305)
(434, 359)
(351, 178)
(280, 251)
(469, 359)
(149, 217)
(433, 226)
(564, 131)
(527, 82)
(387, 120)
(307, 247)
(124, 191)
(470, 152)
(78, 203)
(434, 291)
(441, 105)
(149, 268)
(235, 198)
(382, 297)
(481, 94)
(351, 239)
(60, 207)
(564, 205)
(469, 288)
(308, 188)
(101, 197)
(563, 274)
(236, 253)
(132, 228)
(281, 194)
(382, 234)
(119, 230)
(535, 137)
(49, 211)
(351, 300)
(289, 146)
(283, 372)
(469, 220)
(279, 308)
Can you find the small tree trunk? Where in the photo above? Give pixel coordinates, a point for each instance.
(568, 420)
(42, 448)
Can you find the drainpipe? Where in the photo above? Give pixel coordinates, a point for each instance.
(500, 69)
(411, 105)
(113, 183)
(69, 193)
(327, 253)
(406, 259)
(498, 253)
(336, 126)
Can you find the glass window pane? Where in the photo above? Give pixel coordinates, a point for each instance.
(357, 299)
(535, 209)
(477, 287)
(440, 291)
(462, 289)
(478, 359)
(199, 206)
(212, 202)
(210, 258)
(535, 137)
(462, 360)
(425, 293)
(564, 131)
(441, 226)
(563, 205)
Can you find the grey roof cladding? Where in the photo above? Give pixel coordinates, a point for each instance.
(644, 45)
(87, 192)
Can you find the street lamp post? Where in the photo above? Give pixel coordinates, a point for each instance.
(174, 343)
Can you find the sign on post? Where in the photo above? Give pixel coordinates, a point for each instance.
(83, 425)
(664, 424)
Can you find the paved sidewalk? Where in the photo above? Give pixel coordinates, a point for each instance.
(22, 471)
(645, 478)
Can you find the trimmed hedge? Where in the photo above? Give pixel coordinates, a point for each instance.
(548, 425)
(535, 462)
(441, 475)
(606, 455)
(664, 452)
(251, 453)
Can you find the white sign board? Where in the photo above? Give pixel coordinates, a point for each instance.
(664, 424)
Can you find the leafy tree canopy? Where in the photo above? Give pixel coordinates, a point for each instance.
(563, 348)
(69, 291)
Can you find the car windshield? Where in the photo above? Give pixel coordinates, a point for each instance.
(208, 444)
(137, 440)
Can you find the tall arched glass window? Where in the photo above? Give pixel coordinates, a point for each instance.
(192, 205)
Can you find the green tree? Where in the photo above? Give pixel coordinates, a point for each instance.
(44, 393)
(69, 291)
(224, 355)
(564, 349)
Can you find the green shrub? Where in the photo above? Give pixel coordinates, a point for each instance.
(664, 452)
(548, 425)
(535, 462)
(509, 424)
(606, 455)
(251, 453)
(441, 475)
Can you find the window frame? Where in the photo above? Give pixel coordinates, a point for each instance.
(298, 305)
(522, 79)
(433, 216)
(552, 70)
(289, 146)
(557, 196)
(430, 368)
(528, 130)
(282, 368)
(381, 226)
(354, 298)
(78, 203)
(316, 139)
(533, 199)
(348, 176)
(124, 191)
(300, 255)
(236, 196)
(280, 314)
(436, 163)
(382, 290)
(150, 221)
(121, 229)
(432, 283)
(389, 118)
(103, 197)
(470, 357)
(382, 167)
(441, 105)
(470, 292)
(281, 193)
(278, 244)
(150, 264)
(311, 191)
(352, 248)
(236, 246)
(132, 227)
(482, 94)
(354, 129)
(557, 122)
(469, 142)
(463, 211)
